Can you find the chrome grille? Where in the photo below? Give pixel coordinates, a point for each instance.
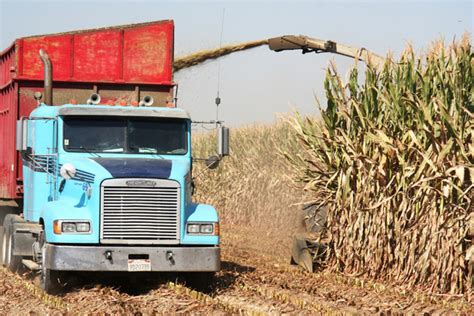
(140, 214)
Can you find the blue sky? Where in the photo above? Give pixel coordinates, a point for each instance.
(257, 84)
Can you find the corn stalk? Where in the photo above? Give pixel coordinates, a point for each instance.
(393, 158)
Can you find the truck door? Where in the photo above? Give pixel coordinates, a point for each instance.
(39, 166)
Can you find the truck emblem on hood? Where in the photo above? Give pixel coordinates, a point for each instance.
(141, 183)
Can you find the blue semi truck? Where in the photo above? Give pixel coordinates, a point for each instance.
(107, 188)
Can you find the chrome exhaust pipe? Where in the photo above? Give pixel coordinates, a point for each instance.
(146, 101)
(48, 77)
(94, 99)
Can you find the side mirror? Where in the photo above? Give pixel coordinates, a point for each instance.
(67, 171)
(21, 134)
(223, 141)
(212, 162)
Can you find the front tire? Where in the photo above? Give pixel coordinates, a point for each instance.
(50, 281)
(201, 281)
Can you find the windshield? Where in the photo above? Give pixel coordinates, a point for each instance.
(125, 135)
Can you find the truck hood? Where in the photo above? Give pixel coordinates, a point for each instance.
(136, 167)
(79, 197)
(95, 170)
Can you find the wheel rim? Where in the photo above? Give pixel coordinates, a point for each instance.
(8, 254)
(4, 248)
(43, 268)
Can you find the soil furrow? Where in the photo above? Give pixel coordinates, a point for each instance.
(251, 282)
(331, 290)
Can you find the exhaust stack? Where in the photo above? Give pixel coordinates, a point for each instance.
(94, 99)
(48, 77)
(147, 101)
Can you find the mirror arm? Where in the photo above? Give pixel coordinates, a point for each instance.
(201, 173)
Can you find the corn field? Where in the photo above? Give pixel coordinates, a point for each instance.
(393, 159)
(253, 187)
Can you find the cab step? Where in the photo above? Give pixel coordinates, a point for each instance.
(30, 264)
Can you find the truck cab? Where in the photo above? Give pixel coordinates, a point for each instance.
(109, 189)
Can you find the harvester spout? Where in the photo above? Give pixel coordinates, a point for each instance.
(289, 42)
(48, 77)
(308, 45)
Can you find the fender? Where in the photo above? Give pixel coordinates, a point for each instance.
(65, 209)
(200, 213)
(24, 235)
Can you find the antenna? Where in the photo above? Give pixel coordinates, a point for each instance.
(218, 99)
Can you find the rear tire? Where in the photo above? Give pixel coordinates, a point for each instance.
(11, 262)
(2, 246)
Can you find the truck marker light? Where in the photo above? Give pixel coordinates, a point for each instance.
(123, 103)
(134, 103)
(73, 101)
(216, 229)
(57, 227)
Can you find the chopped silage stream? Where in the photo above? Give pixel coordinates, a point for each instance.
(253, 281)
(205, 55)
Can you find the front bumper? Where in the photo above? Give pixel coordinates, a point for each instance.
(165, 259)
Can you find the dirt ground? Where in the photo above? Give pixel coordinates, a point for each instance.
(255, 279)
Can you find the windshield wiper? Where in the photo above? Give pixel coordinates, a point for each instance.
(146, 150)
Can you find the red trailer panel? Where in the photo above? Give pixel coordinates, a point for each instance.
(140, 53)
(8, 116)
(121, 63)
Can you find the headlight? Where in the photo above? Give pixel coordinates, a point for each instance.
(207, 229)
(68, 228)
(71, 227)
(193, 229)
(83, 227)
(203, 228)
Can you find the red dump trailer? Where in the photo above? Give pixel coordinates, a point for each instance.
(120, 63)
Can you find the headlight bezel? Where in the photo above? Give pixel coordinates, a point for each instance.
(59, 226)
(201, 231)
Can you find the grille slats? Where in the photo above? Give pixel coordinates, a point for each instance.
(140, 213)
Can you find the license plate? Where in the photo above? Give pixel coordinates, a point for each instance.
(137, 265)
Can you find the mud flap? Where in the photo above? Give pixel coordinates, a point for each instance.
(307, 253)
(301, 254)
